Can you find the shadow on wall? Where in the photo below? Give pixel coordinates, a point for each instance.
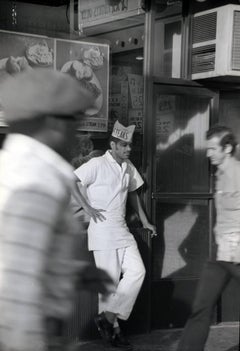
(182, 245)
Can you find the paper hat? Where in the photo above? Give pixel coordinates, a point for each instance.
(43, 91)
(123, 133)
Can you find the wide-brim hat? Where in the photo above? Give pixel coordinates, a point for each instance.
(40, 92)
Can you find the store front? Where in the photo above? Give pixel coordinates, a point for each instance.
(146, 78)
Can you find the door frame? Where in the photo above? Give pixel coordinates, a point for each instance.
(170, 85)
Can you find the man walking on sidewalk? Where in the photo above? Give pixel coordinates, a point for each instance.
(217, 272)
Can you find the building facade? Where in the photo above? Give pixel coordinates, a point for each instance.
(172, 68)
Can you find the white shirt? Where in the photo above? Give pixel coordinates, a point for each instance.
(37, 241)
(227, 201)
(108, 185)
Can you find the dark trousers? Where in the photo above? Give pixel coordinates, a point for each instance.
(213, 279)
(55, 334)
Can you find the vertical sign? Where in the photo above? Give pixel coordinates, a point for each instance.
(165, 111)
(135, 82)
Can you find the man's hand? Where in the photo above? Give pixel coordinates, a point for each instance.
(152, 229)
(95, 280)
(94, 213)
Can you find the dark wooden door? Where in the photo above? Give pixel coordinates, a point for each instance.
(182, 199)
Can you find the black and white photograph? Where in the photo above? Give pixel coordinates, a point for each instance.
(120, 175)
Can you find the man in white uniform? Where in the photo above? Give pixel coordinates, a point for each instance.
(110, 180)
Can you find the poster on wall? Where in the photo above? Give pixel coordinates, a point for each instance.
(21, 52)
(89, 64)
(165, 116)
(135, 82)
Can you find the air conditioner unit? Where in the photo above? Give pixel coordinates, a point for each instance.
(216, 43)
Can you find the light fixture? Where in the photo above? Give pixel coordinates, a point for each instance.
(139, 58)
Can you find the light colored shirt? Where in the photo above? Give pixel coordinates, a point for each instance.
(108, 185)
(37, 234)
(227, 202)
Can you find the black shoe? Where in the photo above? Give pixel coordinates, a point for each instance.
(119, 340)
(105, 328)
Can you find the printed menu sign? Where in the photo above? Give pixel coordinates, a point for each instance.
(135, 82)
(165, 110)
(136, 117)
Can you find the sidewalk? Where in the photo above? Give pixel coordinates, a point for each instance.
(223, 337)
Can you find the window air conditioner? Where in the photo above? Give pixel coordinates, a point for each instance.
(216, 43)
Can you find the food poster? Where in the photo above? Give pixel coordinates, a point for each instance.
(20, 52)
(89, 64)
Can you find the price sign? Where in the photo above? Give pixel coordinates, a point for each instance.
(135, 82)
(136, 117)
(165, 111)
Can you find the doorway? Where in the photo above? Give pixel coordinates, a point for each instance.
(182, 197)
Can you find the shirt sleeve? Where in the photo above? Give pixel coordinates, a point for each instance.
(136, 180)
(27, 226)
(87, 172)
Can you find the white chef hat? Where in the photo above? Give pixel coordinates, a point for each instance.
(123, 133)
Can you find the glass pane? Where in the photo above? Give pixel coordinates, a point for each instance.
(182, 243)
(181, 123)
(167, 48)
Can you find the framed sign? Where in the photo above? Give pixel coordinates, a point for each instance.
(87, 62)
(21, 52)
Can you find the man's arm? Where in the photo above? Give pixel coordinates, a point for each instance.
(137, 206)
(78, 194)
(28, 221)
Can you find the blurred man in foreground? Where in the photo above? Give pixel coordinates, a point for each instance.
(38, 273)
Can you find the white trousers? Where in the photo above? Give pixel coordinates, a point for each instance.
(127, 270)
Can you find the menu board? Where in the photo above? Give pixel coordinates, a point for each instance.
(87, 62)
